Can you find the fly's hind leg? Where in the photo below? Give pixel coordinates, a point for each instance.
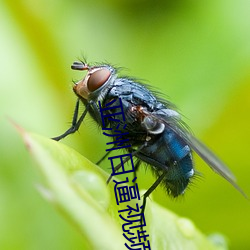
(146, 195)
(151, 189)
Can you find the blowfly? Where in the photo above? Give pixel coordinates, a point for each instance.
(156, 133)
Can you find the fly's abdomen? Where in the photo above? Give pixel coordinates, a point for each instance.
(180, 165)
(178, 176)
(170, 155)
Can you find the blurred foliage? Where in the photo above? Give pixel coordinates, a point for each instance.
(92, 209)
(197, 53)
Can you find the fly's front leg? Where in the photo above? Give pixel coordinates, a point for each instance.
(96, 112)
(75, 123)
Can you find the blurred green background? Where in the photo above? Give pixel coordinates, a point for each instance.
(196, 52)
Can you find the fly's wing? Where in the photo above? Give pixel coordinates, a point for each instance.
(175, 124)
(212, 160)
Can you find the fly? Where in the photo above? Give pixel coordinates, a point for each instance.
(157, 135)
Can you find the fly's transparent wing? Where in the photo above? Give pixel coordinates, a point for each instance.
(208, 156)
(175, 124)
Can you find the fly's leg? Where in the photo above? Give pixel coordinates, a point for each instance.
(151, 189)
(138, 163)
(116, 168)
(96, 111)
(148, 192)
(75, 123)
(104, 157)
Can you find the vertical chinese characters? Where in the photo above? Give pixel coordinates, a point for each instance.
(125, 191)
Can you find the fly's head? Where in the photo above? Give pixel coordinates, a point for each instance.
(95, 80)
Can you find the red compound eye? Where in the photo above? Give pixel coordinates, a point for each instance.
(97, 79)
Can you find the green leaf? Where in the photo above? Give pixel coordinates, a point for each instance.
(78, 189)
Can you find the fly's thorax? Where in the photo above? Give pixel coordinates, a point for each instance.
(96, 81)
(153, 123)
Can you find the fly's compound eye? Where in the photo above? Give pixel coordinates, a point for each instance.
(97, 79)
